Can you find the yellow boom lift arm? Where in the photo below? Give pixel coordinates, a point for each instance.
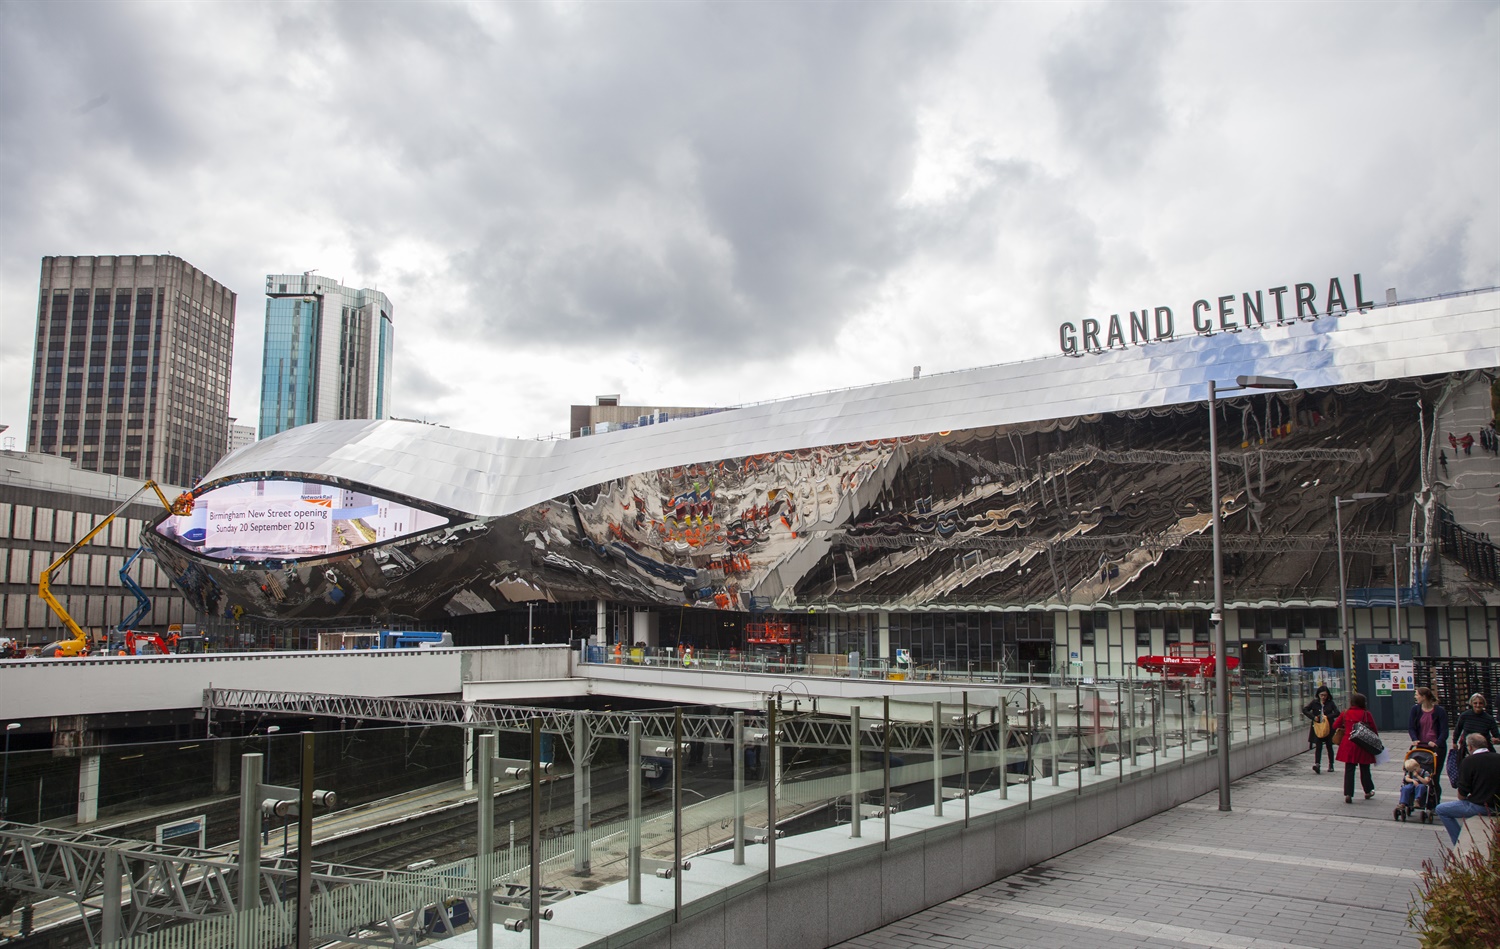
(79, 644)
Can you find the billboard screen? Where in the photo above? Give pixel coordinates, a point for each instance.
(287, 520)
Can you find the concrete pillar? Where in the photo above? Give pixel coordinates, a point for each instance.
(111, 927)
(883, 634)
(223, 767)
(583, 796)
(88, 789)
(645, 628)
(601, 623)
(469, 760)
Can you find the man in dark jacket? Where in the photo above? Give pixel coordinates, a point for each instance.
(1478, 786)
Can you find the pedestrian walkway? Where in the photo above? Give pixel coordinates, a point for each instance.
(1470, 485)
(1291, 867)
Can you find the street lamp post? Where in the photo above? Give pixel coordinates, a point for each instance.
(1396, 591)
(1338, 529)
(1221, 663)
(1396, 582)
(5, 782)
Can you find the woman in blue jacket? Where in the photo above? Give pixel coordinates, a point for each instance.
(1428, 726)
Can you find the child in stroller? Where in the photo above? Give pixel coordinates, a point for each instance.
(1417, 792)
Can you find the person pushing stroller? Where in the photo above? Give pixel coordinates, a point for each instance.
(1417, 781)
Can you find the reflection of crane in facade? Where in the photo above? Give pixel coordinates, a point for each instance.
(78, 643)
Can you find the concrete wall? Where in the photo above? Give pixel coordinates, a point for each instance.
(101, 685)
(520, 663)
(820, 902)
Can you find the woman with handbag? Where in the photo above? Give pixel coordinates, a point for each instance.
(1350, 752)
(1476, 719)
(1321, 712)
(1428, 726)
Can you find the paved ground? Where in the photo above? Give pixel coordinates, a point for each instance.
(1292, 867)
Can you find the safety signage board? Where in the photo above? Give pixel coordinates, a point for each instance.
(1381, 661)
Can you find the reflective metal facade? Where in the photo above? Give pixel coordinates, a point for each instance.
(1054, 483)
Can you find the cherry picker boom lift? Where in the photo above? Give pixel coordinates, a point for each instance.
(125, 640)
(78, 645)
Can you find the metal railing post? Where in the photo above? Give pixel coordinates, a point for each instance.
(1245, 691)
(739, 789)
(937, 759)
(885, 740)
(1030, 749)
(854, 776)
(772, 779)
(1120, 729)
(1096, 725)
(536, 833)
(676, 816)
(633, 846)
(305, 847)
(964, 733)
(1003, 743)
(1078, 729)
(484, 862)
(250, 765)
(1052, 743)
(583, 794)
(1187, 732)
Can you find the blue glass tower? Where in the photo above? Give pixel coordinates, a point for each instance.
(328, 353)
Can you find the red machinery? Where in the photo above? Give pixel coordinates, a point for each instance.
(1185, 660)
(772, 633)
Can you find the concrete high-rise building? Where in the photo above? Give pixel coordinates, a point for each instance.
(327, 354)
(132, 366)
(239, 435)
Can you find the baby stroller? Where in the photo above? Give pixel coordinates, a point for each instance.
(1425, 798)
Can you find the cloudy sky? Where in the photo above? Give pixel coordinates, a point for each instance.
(717, 203)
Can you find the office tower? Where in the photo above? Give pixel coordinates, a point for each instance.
(132, 366)
(327, 354)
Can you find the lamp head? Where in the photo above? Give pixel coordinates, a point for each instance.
(1265, 382)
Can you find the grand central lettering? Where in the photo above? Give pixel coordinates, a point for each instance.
(1229, 313)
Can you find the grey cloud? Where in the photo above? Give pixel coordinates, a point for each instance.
(419, 387)
(91, 105)
(740, 163)
(1106, 80)
(560, 184)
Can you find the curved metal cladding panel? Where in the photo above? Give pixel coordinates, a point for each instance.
(974, 489)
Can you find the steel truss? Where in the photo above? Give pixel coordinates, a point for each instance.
(801, 730)
(126, 888)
